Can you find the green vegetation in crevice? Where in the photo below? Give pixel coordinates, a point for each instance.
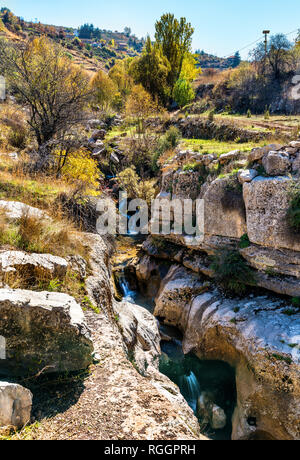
(232, 272)
(244, 242)
(293, 213)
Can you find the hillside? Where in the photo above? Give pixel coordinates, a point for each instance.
(209, 61)
(93, 53)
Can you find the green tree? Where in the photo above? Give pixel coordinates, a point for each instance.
(152, 70)
(175, 38)
(183, 92)
(236, 60)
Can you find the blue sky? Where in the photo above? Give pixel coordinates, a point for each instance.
(221, 26)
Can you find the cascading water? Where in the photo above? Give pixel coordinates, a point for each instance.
(190, 388)
(123, 212)
(193, 376)
(129, 295)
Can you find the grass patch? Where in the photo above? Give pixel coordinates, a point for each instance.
(218, 147)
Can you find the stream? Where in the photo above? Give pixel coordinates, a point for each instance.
(193, 376)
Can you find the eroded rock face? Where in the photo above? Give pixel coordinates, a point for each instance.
(141, 336)
(177, 290)
(222, 218)
(42, 330)
(15, 405)
(267, 202)
(31, 265)
(259, 340)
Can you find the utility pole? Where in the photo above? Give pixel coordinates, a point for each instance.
(266, 33)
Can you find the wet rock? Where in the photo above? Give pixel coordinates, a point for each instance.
(42, 330)
(276, 163)
(210, 413)
(15, 405)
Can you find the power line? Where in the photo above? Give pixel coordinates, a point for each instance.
(254, 43)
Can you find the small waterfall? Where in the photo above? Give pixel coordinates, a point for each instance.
(129, 295)
(123, 211)
(191, 388)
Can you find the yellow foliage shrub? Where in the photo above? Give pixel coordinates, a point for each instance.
(82, 169)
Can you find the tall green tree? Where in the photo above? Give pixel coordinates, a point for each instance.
(175, 38)
(152, 71)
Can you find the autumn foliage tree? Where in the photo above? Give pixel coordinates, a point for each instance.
(48, 84)
(104, 89)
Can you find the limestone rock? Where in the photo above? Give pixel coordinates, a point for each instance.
(267, 201)
(99, 134)
(78, 264)
(177, 289)
(295, 144)
(114, 158)
(226, 157)
(296, 164)
(247, 175)
(276, 163)
(258, 153)
(257, 338)
(141, 335)
(42, 330)
(229, 221)
(15, 210)
(32, 264)
(15, 405)
(210, 413)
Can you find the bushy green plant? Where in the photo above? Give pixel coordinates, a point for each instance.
(168, 141)
(232, 272)
(244, 242)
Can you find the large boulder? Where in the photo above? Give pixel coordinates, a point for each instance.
(15, 210)
(43, 331)
(276, 163)
(224, 209)
(15, 405)
(178, 288)
(267, 202)
(258, 153)
(140, 334)
(32, 265)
